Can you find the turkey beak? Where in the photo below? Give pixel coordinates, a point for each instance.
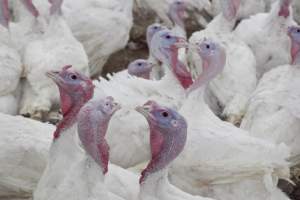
(117, 106)
(181, 43)
(54, 75)
(144, 110)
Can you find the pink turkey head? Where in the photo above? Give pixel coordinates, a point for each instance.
(168, 132)
(151, 30)
(30, 7)
(4, 13)
(213, 61)
(75, 90)
(93, 120)
(177, 11)
(284, 10)
(230, 8)
(140, 68)
(294, 34)
(55, 6)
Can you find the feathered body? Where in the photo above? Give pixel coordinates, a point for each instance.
(260, 31)
(56, 48)
(228, 93)
(24, 149)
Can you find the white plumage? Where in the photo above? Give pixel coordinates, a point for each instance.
(11, 69)
(228, 93)
(57, 47)
(127, 125)
(261, 30)
(101, 26)
(24, 149)
(220, 159)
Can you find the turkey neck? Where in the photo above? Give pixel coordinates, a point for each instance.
(210, 69)
(91, 173)
(178, 21)
(155, 184)
(295, 53)
(70, 108)
(179, 70)
(165, 147)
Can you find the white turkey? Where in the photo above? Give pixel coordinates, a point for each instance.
(55, 48)
(87, 178)
(168, 135)
(265, 33)
(10, 65)
(228, 93)
(221, 160)
(75, 90)
(273, 112)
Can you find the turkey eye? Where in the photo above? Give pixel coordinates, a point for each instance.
(168, 36)
(298, 30)
(155, 27)
(73, 77)
(165, 114)
(207, 46)
(139, 64)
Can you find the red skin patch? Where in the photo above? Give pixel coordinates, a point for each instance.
(180, 71)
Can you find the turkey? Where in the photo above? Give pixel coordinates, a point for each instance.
(57, 47)
(228, 93)
(168, 134)
(92, 177)
(273, 111)
(261, 30)
(75, 90)
(10, 65)
(101, 26)
(133, 91)
(220, 160)
(23, 156)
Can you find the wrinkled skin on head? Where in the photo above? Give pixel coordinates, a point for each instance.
(294, 34)
(168, 132)
(75, 90)
(140, 68)
(93, 120)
